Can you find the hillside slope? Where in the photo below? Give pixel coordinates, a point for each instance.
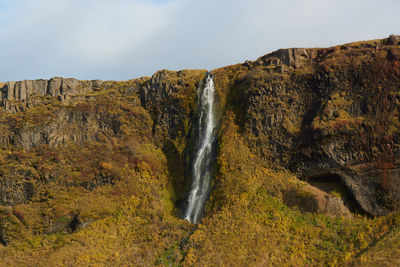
(306, 172)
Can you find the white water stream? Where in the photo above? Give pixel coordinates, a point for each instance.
(201, 170)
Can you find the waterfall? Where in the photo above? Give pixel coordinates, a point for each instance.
(204, 146)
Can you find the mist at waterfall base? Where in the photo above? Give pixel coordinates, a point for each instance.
(204, 151)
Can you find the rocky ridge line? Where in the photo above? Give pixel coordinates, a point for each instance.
(60, 87)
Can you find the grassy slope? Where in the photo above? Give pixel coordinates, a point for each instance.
(249, 223)
(384, 252)
(131, 216)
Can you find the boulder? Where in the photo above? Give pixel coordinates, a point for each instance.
(311, 199)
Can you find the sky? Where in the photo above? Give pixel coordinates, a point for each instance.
(125, 39)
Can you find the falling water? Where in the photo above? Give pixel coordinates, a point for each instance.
(201, 170)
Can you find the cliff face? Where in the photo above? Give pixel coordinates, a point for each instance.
(317, 130)
(22, 91)
(326, 114)
(317, 112)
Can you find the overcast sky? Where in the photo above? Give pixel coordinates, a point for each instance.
(124, 39)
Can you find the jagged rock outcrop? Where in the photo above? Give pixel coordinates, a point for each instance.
(332, 111)
(169, 96)
(286, 59)
(164, 95)
(23, 90)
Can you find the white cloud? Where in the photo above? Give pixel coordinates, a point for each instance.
(72, 36)
(121, 39)
(106, 30)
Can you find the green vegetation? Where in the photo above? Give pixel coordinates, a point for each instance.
(97, 180)
(248, 222)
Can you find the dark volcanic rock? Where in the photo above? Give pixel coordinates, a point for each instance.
(331, 111)
(162, 96)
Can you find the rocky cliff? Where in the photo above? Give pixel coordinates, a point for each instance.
(308, 157)
(327, 114)
(22, 91)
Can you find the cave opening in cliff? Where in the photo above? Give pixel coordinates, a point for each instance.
(333, 183)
